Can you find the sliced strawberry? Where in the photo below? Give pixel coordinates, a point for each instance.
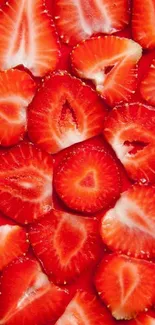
(87, 179)
(126, 285)
(27, 296)
(129, 227)
(64, 112)
(143, 28)
(84, 309)
(110, 62)
(147, 318)
(13, 241)
(66, 244)
(27, 37)
(17, 89)
(147, 87)
(26, 175)
(79, 19)
(130, 131)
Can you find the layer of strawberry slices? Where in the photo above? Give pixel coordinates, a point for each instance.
(77, 162)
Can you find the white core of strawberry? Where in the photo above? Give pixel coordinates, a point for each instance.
(70, 137)
(5, 231)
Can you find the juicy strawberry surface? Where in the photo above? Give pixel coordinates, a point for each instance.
(78, 20)
(87, 179)
(65, 244)
(33, 300)
(126, 285)
(26, 175)
(143, 29)
(13, 241)
(129, 129)
(17, 89)
(146, 318)
(147, 86)
(27, 37)
(84, 309)
(64, 112)
(110, 63)
(129, 227)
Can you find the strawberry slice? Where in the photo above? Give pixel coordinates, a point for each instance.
(143, 28)
(110, 62)
(143, 319)
(84, 309)
(129, 227)
(14, 241)
(62, 258)
(147, 86)
(78, 20)
(17, 89)
(27, 37)
(129, 129)
(26, 175)
(32, 298)
(126, 285)
(64, 112)
(87, 179)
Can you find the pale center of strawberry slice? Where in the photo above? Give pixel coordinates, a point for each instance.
(135, 146)
(5, 231)
(88, 180)
(68, 118)
(69, 238)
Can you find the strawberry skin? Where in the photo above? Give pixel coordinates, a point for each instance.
(33, 300)
(17, 89)
(14, 241)
(143, 28)
(87, 179)
(147, 85)
(28, 37)
(110, 63)
(129, 227)
(26, 174)
(64, 111)
(65, 244)
(78, 20)
(129, 129)
(84, 309)
(126, 285)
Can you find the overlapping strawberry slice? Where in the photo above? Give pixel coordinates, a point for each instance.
(17, 89)
(147, 86)
(146, 318)
(129, 227)
(84, 309)
(129, 129)
(64, 112)
(79, 19)
(27, 37)
(126, 285)
(27, 296)
(110, 62)
(87, 179)
(26, 175)
(143, 28)
(13, 241)
(65, 244)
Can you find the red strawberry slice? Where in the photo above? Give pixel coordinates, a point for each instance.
(129, 227)
(13, 241)
(27, 37)
(17, 89)
(65, 244)
(84, 309)
(26, 175)
(27, 296)
(126, 285)
(143, 319)
(79, 19)
(87, 179)
(147, 86)
(143, 28)
(110, 62)
(64, 112)
(130, 131)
